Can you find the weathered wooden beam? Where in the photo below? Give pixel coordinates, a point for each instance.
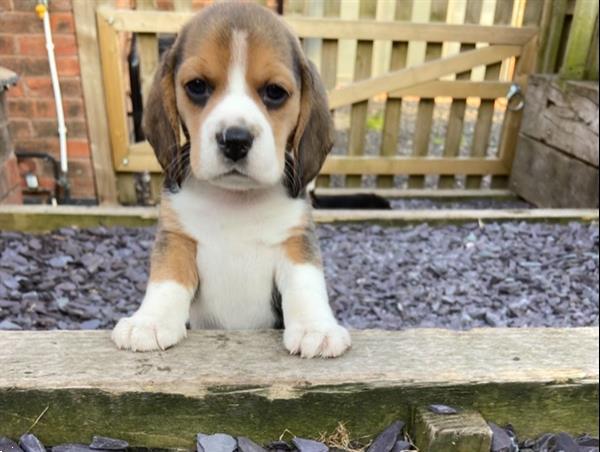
(47, 218)
(245, 383)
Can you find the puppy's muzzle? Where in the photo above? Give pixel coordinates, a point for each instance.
(235, 142)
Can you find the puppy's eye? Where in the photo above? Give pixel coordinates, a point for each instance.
(198, 90)
(274, 96)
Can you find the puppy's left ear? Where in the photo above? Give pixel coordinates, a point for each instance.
(314, 134)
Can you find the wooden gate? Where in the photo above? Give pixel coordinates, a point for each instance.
(374, 107)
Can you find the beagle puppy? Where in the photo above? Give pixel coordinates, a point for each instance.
(238, 119)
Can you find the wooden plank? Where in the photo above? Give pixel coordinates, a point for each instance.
(512, 119)
(593, 55)
(171, 22)
(411, 165)
(114, 89)
(466, 431)
(46, 218)
(359, 110)
(425, 108)
(581, 35)
(218, 381)
(547, 178)
(148, 52)
(393, 104)
(550, 36)
(454, 131)
(458, 89)
(422, 73)
(93, 94)
(427, 193)
(329, 56)
(485, 112)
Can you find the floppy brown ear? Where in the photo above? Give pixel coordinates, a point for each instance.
(314, 135)
(161, 120)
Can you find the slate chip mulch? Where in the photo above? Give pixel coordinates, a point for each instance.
(512, 274)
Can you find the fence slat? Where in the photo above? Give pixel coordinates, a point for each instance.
(329, 55)
(454, 132)
(148, 52)
(393, 106)
(585, 17)
(359, 110)
(550, 35)
(426, 106)
(485, 113)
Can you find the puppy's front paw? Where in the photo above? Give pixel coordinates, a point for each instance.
(328, 341)
(143, 333)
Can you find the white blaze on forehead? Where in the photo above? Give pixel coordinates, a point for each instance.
(239, 57)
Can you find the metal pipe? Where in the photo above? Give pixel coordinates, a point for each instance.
(42, 12)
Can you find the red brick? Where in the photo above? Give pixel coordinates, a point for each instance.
(62, 22)
(36, 67)
(21, 23)
(19, 129)
(15, 196)
(7, 44)
(164, 5)
(15, 90)
(24, 5)
(60, 5)
(43, 128)
(67, 66)
(20, 108)
(65, 45)
(45, 108)
(73, 108)
(81, 176)
(39, 86)
(71, 87)
(14, 63)
(6, 5)
(49, 145)
(31, 45)
(78, 149)
(76, 128)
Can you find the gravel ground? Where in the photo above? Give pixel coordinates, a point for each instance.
(452, 276)
(393, 439)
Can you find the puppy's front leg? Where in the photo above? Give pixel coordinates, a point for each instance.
(160, 320)
(310, 327)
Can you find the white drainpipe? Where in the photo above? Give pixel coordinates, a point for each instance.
(42, 11)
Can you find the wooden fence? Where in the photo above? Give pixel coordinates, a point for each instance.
(429, 122)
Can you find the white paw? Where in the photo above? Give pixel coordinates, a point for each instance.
(143, 333)
(327, 341)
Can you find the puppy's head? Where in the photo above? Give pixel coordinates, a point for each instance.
(250, 104)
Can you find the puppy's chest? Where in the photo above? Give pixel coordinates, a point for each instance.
(238, 250)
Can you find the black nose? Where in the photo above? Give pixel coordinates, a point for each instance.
(235, 142)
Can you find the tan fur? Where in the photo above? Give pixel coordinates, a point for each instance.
(174, 254)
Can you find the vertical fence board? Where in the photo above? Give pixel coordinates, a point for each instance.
(485, 113)
(393, 107)
(550, 35)
(329, 55)
(93, 93)
(580, 40)
(454, 131)
(148, 52)
(359, 110)
(433, 51)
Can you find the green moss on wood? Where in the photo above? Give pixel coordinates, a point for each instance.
(171, 420)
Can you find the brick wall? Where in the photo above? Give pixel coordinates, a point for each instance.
(30, 104)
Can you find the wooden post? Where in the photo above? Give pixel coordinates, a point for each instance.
(585, 17)
(358, 113)
(93, 93)
(393, 107)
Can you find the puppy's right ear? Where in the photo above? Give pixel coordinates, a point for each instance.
(161, 119)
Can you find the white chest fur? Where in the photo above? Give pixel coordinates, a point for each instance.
(239, 238)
